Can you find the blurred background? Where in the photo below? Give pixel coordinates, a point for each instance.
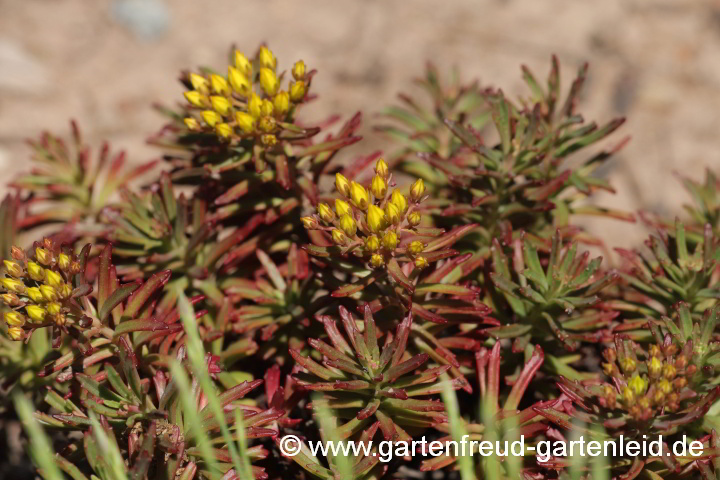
(104, 62)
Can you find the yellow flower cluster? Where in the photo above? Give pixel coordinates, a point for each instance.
(657, 390)
(37, 289)
(372, 220)
(248, 102)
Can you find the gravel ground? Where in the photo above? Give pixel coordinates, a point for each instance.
(104, 62)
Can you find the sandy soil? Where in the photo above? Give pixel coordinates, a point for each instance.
(654, 61)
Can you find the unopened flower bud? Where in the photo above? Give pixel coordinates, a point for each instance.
(242, 63)
(13, 285)
(48, 293)
(297, 91)
(266, 58)
(245, 121)
(338, 236)
(255, 106)
(59, 319)
(269, 81)
(638, 385)
(65, 291)
(342, 184)
(378, 187)
(628, 364)
(10, 299)
(35, 271)
(415, 247)
(54, 308)
(664, 386)
(654, 367)
(375, 219)
(16, 333)
(219, 85)
(239, 82)
(628, 396)
(342, 208)
(381, 168)
(669, 371)
(35, 294)
(421, 262)
(680, 361)
(372, 244)
(268, 139)
(17, 253)
(392, 214)
(267, 124)
(359, 196)
(399, 200)
(281, 102)
(199, 83)
(211, 117)
(63, 262)
(223, 130)
(309, 223)
(298, 70)
(417, 190)
(14, 268)
(390, 240)
(325, 212)
(377, 260)
(53, 279)
(348, 225)
(414, 219)
(36, 313)
(14, 319)
(191, 123)
(196, 98)
(43, 256)
(220, 104)
(654, 351)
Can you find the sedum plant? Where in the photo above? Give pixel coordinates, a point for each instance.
(180, 319)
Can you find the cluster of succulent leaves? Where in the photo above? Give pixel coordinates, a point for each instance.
(442, 290)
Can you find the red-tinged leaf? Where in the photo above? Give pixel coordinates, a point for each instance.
(396, 371)
(509, 331)
(140, 326)
(353, 169)
(232, 194)
(327, 147)
(142, 295)
(397, 274)
(369, 410)
(117, 297)
(104, 274)
(444, 288)
(282, 172)
(238, 391)
(427, 314)
(449, 238)
(494, 376)
(522, 382)
(349, 289)
(312, 366)
(546, 191)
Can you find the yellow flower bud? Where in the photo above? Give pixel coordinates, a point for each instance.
(390, 241)
(267, 124)
(417, 190)
(219, 84)
(242, 63)
(269, 81)
(381, 168)
(211, 117)
(10, 299)
(309, 223)
(377, 260)
(266, 108)
(43, 256)
(48, 293)
(59, 320)
(36, 313)
(13, 285)
(239, 82)
(281, 102)
(342, 184)
(348, 225)
(266, 58)
(359, 195)
(268, 140)
(669, 371)
(298, 70)
(54, 308)
(391, 213)
(63, 261)
(223, 130)
(338, 236)
(655, 367)
(297, 91)
(196, 98)
(191, 123)
(414, 219)
(421, 262)
(375, 219)
(14, 268)
(415, 247)
(255, 106)
(245, 121)
(372, 244)
(325, 212)
(638, 385)
(35, 294)
(378, 187)
(628, 365)
(53, 279)
(36, 272)
(199, 83)
(16, 333)
(628, 396)
(14, 319)
(664, 386)
(220, 104)
(658, 397)
(399, 200)
(342, 208)
(65, 291)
